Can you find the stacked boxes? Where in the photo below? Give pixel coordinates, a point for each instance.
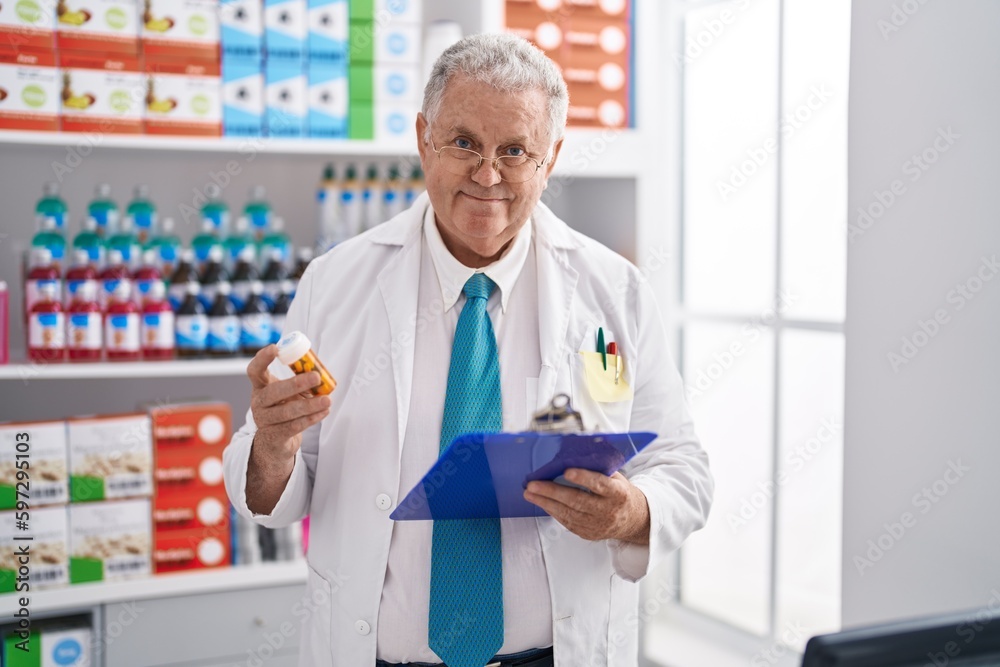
(285, 88)
(384, 60)
(327, 71)
(29, 80)
(44, 449)
(191, 510)
(55, 644)
(46, 564)
(242, 32)
(591, 42)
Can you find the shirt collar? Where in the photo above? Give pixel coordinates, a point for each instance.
(452, 274)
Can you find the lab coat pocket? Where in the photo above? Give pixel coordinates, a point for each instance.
(317, 624)
(609, 416)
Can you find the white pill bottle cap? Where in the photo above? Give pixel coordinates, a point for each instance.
(292, 347)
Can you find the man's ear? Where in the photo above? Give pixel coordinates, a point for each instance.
(552, 162)
(421, 128)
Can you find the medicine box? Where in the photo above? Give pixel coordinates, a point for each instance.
(41, 561)
(183, 97)
(285, 29)
(387, 11)
(110, 457)
(29, 89)
(385, 83)
(99, 26)
(49, 647)
(191, 511)
(384, 44)
(191, 550)
(109, 540)
(241, 28)
(181, 29)
(328, 30)
(391, 122)
(242, 96)
(28, 25)
(286, 94)
(41, 446)
(328, 100)
(101, 93)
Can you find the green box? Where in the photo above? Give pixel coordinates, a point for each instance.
(361, 10)
(361, 83)
(361, 120)
(361, 46)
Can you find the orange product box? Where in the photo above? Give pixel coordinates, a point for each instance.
(189, 511)
(188, 471)
(546, 31)
(103, 26)
(177, 550)
(183, 96)
(29, 89)
(28, 25)
(613, 9)
(181, 29)
(101, 93)
(205, 426)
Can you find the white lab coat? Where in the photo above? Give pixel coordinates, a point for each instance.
(358, 304)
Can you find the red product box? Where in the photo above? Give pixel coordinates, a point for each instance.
(101, 93)
(189, 439)
(28, 24)
(183, 96)
(29, 89)
(200, 548)
(208, 511)
(100, 26)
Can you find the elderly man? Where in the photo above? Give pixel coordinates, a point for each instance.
(467, 312)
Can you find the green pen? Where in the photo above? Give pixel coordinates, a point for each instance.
(601, 348)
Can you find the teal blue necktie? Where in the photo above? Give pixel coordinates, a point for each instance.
(466, 609)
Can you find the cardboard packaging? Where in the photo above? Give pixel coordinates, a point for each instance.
(328, 30)
(286, 93)
(183, 97)
(101, 94)
(28, 25)
(191, 511)
(285, 29)
(242, 97)
(181, 29)
(392, 122)
(29, 89)
(47, 559)
(110, 457)
(56, 647)
(241, 29)
(385, 83)
(191, 550)
(46, 451)
(384, 44)
(109, 540)
(328, 100)
(189, 439)
(102, 27)
(385, 11)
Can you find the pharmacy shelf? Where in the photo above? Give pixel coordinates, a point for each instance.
(81, 596)
(27, 371)
(586, 153)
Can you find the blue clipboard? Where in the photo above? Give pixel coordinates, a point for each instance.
(483, 475)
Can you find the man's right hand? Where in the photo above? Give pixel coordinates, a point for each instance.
(282, 410)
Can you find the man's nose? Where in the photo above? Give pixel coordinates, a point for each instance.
(486, 175)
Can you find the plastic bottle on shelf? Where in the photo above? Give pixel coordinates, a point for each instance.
(43, 273)
(244, 275)
(223, 324)
(393, 195)
(371, 196)
(280, 310)
(204, 242)
(216, 210)
(302, 258)
(47, 327)
(167, 246)
(258, 211)
(146, 276)
(84, 328)
(255, 322)
(157, 328)
(328, 229)
(89, 240)
(103, 209)
(351, 206)
(80, 273)
(414, 187)
(122, 338)
(49, 236)
(143, 213)
(213, 275)
(184, 273)
(51, 205)
(111, 276)
(126, 242)
(191, 324)
(239, 239)
(277, 239)
(274, 273)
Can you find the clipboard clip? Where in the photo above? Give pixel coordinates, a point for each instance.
(558, 417)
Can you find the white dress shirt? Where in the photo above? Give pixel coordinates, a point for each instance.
(513, 310)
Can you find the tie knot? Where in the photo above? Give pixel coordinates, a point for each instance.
(479, 286)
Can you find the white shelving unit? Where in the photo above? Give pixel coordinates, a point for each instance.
(25, 370)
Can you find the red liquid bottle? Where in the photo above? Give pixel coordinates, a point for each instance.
(146, 276)
(47, 327)
(43, 272)
(84, 326)
(114, 273)
(80, 273)
(121, 325)
(157, 325)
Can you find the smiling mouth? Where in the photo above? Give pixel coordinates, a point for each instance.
(483, 199)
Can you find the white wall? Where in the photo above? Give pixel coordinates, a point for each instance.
(905, 426)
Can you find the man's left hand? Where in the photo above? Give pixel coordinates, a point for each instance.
(615, 508)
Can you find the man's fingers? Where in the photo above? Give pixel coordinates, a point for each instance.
(282, 390)
(292, 410)
(287, 430)
(257, 368)
(575, 499)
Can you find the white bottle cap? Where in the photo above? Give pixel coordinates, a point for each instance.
(123, 290)
(292, 347)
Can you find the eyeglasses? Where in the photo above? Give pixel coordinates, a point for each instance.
(463, 162)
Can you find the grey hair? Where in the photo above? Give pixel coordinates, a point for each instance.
(506, 62)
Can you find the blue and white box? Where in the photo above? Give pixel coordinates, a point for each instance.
(397, 44)
(242, 28)
(395, 122)
(242, 97)
(397, 83)
(328, 99)
(329, 30)
(399, 11)
(286, 93)
(285, 29)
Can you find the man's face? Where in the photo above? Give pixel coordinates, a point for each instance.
(478, 215)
